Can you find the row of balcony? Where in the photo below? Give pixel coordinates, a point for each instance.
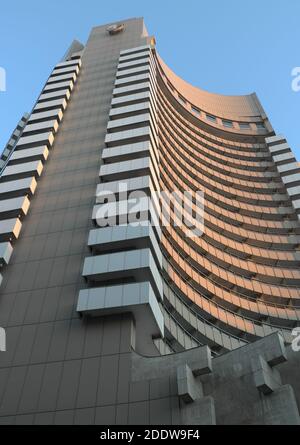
(26, 162)
(124, 272)
(9, 148)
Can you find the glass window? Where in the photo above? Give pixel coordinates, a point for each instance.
(211, 118)
(196, 111)
(181, 100)
(170, 86)
(244, 125)
(228, 124)
(260, 125)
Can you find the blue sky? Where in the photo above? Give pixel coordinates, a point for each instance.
(228, 47)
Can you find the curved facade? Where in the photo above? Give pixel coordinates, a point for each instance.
(240, 280)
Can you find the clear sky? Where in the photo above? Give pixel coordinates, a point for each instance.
(228, 47)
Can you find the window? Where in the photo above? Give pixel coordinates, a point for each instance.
(260, 125)
(211, 118)
(228, 124)
(244, 125)
(170, 86)
(181, 100)
(196, 111)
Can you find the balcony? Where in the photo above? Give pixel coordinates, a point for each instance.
(287, 169)
(128, 152)
(132, 99)
(141, 55)
(128, 213)
(135, 71)
(128, 137)
(63, 94)
(56, 113)
(122, 112)
(50, 105)
(138, 265)
(36, 140)
(40, 127)
(62, 78)
(68, 63)
(135, 50)
(284, 157)
(131, 123)
(69, 85)
(282, 147)
(29, 154)
(65, 70)
(134, 88)
(136, 298)
(138, 188)
(19, 187)
(139, 183)
(291, 179)
(129, 169)
(19, 171)
(116, 238)
(6, 251)
(10, 229)
(123, 65)
(294, 191)
(14, 207)
(127, 81)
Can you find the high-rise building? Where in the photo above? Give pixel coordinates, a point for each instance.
(116, 308)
